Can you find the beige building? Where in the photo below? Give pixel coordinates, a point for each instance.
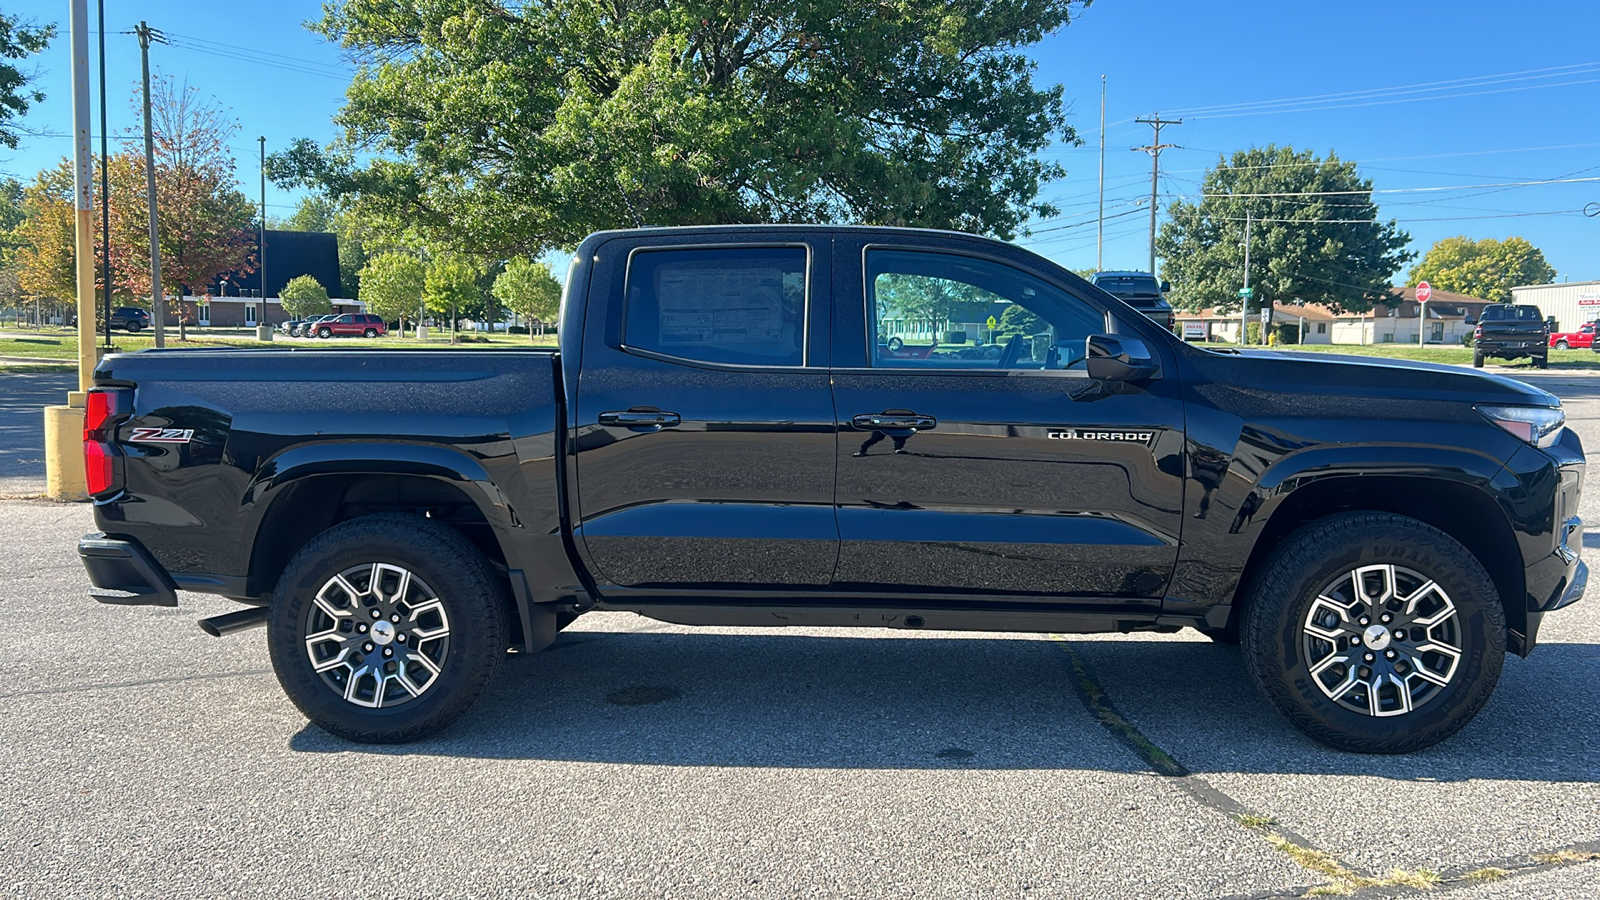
(1572, 304)
(1450, 318)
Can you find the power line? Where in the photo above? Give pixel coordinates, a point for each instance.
(1470, 81)
(1455, 187)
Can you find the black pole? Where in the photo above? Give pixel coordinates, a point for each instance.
(105, 182)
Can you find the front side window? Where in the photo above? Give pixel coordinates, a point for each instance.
(738, 305)
(934, 311)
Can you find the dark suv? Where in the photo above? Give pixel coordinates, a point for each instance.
(131, 318)
(1141, 291)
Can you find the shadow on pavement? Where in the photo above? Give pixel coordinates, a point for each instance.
(947, 703)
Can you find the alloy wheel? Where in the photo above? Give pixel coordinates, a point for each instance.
(377, 635)
(1382, 640)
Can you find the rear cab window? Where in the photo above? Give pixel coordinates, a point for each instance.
(729, 305)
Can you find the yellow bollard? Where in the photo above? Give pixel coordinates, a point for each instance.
(63, 453)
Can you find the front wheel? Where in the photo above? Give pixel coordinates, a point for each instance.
(1374, 633)
(386, 628)
(324, 333)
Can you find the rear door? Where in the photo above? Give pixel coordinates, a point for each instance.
(704, 422)
(998, 468)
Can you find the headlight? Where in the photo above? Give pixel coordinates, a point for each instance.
(1538, 425)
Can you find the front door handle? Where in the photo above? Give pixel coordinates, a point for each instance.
(896, 421)
(641, 419)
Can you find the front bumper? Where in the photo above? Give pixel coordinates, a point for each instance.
(124, 573)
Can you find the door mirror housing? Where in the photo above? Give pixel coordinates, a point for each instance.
(1119, 358)
(1165, 286)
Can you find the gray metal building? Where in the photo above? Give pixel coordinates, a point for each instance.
(1572, 304)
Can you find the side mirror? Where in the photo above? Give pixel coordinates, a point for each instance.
(1166, 286)
(1471, 321)
(1119, 358)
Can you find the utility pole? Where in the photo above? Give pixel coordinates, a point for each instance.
(1154, 150)
(105, 183)
(1100, 230)
(83, 195)
(158, 296)
(1244, 311)
(261, 251)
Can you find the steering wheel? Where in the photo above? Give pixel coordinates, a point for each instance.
(1012, 353)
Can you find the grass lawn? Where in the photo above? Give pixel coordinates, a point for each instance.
(1461, 356)
(64, 345)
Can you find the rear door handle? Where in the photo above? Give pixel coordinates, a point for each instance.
(641, 419)
(891, 422)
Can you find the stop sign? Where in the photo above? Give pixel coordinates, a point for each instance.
(1424, 291)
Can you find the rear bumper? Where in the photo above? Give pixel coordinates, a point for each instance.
(124, 573)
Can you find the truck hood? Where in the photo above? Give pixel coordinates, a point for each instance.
(1368, 375)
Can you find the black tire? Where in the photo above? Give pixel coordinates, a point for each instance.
(1477, 359)
(1310, 562)
(133, 327)
(1561, 345)
(1542, 362)
(324, 333)
(370, 332)
(474, 608)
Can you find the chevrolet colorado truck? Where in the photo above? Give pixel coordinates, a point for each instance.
(722, 439)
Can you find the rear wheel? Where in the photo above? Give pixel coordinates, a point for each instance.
(1477, 359)
(386, 628)
(1561, 345)
(133, 327)
(1374, 633)
(1542, 362)
(370, 332)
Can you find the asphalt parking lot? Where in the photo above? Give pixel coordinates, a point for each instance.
(637, 759)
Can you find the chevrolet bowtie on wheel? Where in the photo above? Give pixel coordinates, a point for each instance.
(759, 425)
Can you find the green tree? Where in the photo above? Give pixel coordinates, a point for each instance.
(1315, 237)
(451, 285)
(1017, 320)
(391, 285)
(936, 301)
(528, 289)
(18, 41)
(1486, 269)
(46, 236)
(504, 129)
(314, 212)
(304, 296)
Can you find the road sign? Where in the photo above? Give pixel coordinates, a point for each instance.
(1265, 315)
(1424, 291)
(1193, 330)
(1246, 293)
(991, 323)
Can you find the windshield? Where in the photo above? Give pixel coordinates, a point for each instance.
(1511, 314)
(1127, 284)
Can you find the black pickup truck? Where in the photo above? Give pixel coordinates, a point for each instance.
(1509, 332)
(724, 438)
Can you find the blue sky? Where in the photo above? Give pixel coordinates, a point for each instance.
(1509, 94)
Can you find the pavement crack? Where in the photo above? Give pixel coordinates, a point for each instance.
(175, 679)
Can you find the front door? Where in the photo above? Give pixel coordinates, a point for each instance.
(704, 424)
(997, 468)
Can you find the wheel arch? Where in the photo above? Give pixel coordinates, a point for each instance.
(306, 490)
(1462, 510)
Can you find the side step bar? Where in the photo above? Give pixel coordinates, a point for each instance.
(238, 620)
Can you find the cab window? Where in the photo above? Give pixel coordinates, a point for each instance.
(734, 305)
(944, 311)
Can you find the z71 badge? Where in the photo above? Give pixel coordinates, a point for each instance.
(162, 435)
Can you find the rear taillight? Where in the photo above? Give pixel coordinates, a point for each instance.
(106, 407)
(1477, 332)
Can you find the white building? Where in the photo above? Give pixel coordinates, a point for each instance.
(1571, 304)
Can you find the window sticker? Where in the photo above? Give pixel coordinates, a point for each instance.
(720, 305)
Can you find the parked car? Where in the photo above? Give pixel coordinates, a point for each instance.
(130, 318)
(1581, 339)
(350, 325)
(289, 326)
(720, 441)
(306, 328)
(1141, 291)
(1506, 331)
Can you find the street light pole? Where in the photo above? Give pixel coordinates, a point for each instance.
(1244, 305)
(105, 183)
(1100, 229)
(261, 253)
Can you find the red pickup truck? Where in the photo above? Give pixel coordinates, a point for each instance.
(1582, 338)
